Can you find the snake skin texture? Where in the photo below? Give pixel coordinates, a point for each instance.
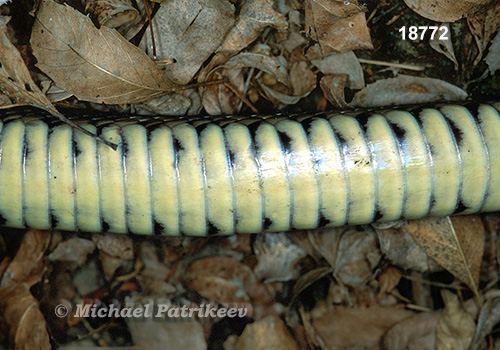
(247, 175)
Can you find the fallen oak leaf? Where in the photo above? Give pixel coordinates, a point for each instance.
(17, 88)
(96, 65)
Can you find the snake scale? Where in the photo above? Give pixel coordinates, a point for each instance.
(225, 175)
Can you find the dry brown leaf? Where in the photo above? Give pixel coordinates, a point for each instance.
(173, 335)
(254, 16)
(333, 88)
(352, 254)
(74, 250)
(277, 256)
(488, 318)
(341, 63)
(225, 280)
(457, 244)
(338, 26)
(307, 279)
(444, 10)
(218, 99)
(22, 323)
(483, 25)
(189, 31)
(358, 327)
(399, 247)
(16, 85)
(173, 104)
(456, 327)
(417, 332)
(114, 251)
(302, 78)
(267, 333)
(27, 262)
(95, 65)
(389, 280)
(405, 89)
(493, 56)
(154, 275)
(276, 97)
(111, 13)
(270, 64)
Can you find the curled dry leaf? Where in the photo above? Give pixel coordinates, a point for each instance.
(338, 26)
(493, 56)
(254, 16)
(405, 89)
(444, 10)
(488, 318)
(277, 97)
(333, 88)
(95, 65)
(456, 327)
(111, 13)
(457, 244)
(22, 324)
(342, 63)
(27, 262)
(190, 31)
(273, 65)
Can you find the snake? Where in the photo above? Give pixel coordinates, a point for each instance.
(225, 175)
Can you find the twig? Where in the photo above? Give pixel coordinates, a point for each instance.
(240, 95)
(62, 118)
(390, 64)
(150, 28)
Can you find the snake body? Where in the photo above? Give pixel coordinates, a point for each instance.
(247, 175)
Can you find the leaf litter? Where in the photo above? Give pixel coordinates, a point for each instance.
(366, 287)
